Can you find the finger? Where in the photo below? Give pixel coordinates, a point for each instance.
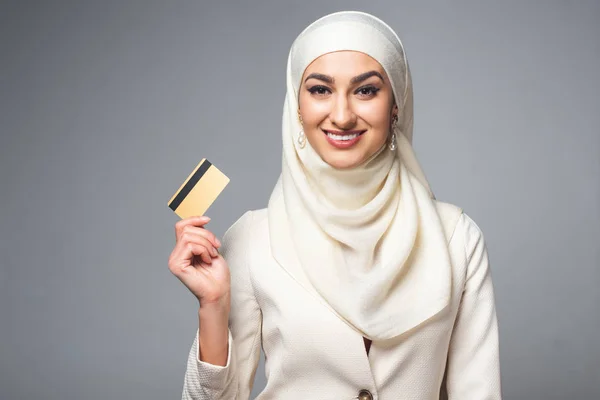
(182, 256)
(198, 238)
(185, 251)
(190, 221)
(195, 249)
(202, 232)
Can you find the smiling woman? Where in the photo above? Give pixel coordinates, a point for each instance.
(355, 280)
(346, 107)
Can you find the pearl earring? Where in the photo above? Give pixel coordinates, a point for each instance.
(301, 135)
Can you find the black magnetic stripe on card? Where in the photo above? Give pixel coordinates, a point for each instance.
(190, 185)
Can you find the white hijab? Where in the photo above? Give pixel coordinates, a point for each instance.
(367, 241)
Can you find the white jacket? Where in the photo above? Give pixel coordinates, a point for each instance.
(312, 354)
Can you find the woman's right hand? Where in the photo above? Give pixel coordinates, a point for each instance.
(197, 263)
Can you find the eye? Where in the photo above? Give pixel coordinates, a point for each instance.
(319, 90)
(367, 91)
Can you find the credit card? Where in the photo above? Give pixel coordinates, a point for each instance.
(199, 191)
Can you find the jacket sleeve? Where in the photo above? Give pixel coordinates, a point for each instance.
(234, 380)
(473, 369)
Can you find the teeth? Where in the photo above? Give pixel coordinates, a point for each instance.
(342, 137)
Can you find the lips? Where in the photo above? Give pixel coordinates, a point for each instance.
(343, 139)
(343, 133)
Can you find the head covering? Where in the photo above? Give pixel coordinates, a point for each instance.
(366, 241)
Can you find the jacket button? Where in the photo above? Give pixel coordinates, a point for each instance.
(364, 394)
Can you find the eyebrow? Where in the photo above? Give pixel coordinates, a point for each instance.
(365, 76)
(359, 78)
(321, 77)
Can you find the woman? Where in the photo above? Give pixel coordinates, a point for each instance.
(355, 281)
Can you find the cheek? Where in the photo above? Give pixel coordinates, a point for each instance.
(313, 112)
(376, 115)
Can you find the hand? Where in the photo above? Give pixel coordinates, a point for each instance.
(197, 263)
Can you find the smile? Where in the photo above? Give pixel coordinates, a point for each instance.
(343, 139)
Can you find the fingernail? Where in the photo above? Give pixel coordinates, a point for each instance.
(218, 242)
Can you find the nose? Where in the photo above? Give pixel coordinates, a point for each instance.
(341, 113)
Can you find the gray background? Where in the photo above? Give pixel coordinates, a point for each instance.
(106, 106)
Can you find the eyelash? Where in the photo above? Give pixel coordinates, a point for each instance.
(373, 90)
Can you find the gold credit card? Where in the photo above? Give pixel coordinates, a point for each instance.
(199, 190)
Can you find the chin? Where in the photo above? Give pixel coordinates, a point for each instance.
(344, 160)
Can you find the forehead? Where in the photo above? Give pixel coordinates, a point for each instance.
(343, 63)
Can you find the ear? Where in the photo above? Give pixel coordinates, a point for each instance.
(395, 111)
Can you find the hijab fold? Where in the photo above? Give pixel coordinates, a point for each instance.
(368, 241)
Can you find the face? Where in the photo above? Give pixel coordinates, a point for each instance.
(346, 104)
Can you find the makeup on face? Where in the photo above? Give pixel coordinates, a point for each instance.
(346, 101)
(343, 139)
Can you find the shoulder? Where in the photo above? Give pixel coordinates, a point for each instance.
(245, 230)
(450, 216)
(239, 247)
(473, 248)
(246, 224)
(477, 266)
(467, 245)
(460, 227)
(474, 241)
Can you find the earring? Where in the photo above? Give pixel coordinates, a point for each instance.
(301, 135)
(302, 139)
(393, 143)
